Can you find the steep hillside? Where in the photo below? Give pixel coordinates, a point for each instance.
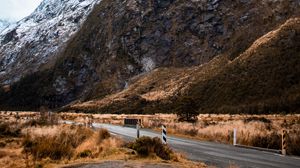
(122, 39)
(263, 79)
(32, 44)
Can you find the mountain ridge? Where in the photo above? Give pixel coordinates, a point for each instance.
(33, 42)
(121, 40)
(210, 83)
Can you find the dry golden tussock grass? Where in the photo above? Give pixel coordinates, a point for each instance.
(253, 130)
(11, 154)
(58, 145)
(42, 131)
(100, 144)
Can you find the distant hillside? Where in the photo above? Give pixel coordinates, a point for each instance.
(265, 78)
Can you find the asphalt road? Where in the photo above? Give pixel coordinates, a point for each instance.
(214, 154)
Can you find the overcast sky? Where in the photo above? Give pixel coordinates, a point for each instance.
(15, 10)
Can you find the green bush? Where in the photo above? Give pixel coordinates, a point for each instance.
(146, 146)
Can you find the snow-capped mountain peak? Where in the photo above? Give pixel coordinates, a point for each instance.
(34, 41)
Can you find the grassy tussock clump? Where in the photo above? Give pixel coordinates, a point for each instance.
(103, 134)
(7, 130)
(41, 146)
(53, 147)
(146, 146)
(58, 146)
(100, 144)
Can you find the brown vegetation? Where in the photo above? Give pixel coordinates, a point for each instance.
(44, 144)
(60, 145)
(146, 146)
(7, 130)
(264, 79)
(253, 130)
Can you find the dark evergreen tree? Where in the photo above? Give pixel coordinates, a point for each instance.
(186, 109)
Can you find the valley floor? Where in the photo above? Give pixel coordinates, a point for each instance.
(252, 130)
(29, 139)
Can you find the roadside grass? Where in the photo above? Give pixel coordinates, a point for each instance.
(58, 146)
(53, 145)
(252, 130)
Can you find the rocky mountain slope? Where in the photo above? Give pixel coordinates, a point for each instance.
(262, 79)
(32, 43)
(3, 24)
(124, 39)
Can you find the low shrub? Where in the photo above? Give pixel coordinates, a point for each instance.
(271, 141)
(191, 132)
(293, 143)
(146, 146)
(2, 144)
(260, 119)
(8, 130)
(85, 153)
(103, 134)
